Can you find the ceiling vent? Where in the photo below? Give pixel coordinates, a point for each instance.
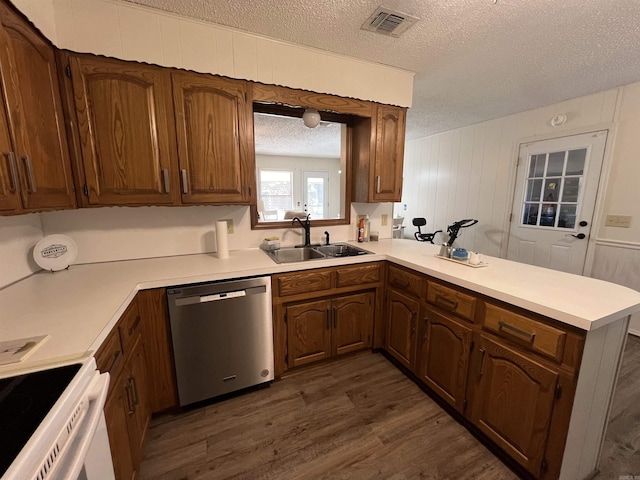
(389, 22)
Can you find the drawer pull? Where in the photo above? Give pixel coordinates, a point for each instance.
(446, 302)
(528, 336)
(401, 282)
(481, 364)
(116, 360)
(134, 327)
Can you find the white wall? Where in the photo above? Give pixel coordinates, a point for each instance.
(18, 236)
(132, 32)
(469, 172)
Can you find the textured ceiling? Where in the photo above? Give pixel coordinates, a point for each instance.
(474, 59)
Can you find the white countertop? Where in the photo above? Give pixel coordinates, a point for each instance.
(78, 307)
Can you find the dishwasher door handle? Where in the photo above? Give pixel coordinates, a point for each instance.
(209, 298)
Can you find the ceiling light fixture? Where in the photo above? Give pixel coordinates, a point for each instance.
(311, 118)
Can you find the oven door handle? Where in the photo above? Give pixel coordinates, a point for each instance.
(76, 451)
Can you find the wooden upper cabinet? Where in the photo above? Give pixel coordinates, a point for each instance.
(9, 182)
(512, 401)
(126, 133)
(389, 154)
(214, 124)
(38, 165)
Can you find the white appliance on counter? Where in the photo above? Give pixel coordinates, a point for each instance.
(52, 424)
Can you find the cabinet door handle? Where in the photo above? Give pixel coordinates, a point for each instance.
(528, 336)
(328, 318)
(13, 169)
(134, 327)
(115, 362)
(335, 318)
(413, 323)
(28, 165)
(131, 408)
(167, 182)
(424, 333)
(134, 390)
(185, 181)
(481, 365)
(378, 184)
(444, 301)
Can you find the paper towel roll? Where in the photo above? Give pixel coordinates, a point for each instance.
(222, 239)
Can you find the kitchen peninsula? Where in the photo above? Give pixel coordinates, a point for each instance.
(79, 307)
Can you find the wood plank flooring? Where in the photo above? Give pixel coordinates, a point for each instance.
(621, 449)
(357, 418)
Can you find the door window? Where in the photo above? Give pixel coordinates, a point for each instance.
(553, 191)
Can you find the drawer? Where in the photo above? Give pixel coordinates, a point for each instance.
(304, 282)
(533, 334)
(451, 300)
(109, 356)
(405, 281)
(130, 327)
(358, 275)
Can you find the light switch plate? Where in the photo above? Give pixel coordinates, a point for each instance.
(229, 225)
(383, 220)
(622, 221)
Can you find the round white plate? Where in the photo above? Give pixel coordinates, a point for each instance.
(55, 252)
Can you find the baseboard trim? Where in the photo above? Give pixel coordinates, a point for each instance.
(634, 332)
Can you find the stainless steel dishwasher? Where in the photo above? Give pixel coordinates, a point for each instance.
(222, 337)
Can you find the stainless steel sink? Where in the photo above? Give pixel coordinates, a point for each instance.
(303, 254)
(292, 254)
(341, 250)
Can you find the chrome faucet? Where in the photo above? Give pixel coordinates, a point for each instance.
(306, 225)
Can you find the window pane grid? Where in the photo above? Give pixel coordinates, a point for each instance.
(552, 189)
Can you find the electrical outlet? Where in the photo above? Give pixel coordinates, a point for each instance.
(229, 225)
(622, 221)
(383, 220)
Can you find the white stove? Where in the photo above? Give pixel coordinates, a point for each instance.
(53, 424)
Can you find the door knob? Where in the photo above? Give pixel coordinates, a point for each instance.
(579, 236)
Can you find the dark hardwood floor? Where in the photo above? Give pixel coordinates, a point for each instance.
(621, 450)
(356, 418)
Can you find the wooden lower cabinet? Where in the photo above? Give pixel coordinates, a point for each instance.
(512, 402)
(324, 328)
(115, 411)
(401, 324)
(444, 357)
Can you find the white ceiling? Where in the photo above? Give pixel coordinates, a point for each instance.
(474, 59)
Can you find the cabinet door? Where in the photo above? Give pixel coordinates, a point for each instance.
(387, 166)
(400, 335)
(308, 332)
(352, 322)
(214, 124)
(126, 139)
(444, 358)
(138, 419)
(512, 403)
(32, 93)
(116, 410)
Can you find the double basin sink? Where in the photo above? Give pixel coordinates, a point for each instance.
(304, 254)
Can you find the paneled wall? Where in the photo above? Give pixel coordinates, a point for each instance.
(469, 172)
(133, 32)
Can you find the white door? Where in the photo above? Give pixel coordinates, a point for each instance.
(316, 194)
(555, 194)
